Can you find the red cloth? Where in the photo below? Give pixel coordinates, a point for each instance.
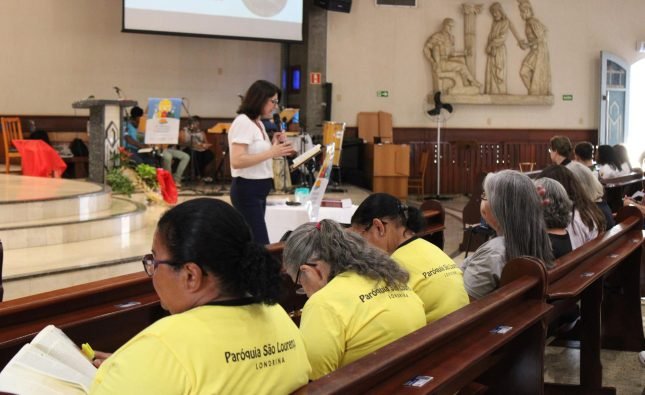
(39, 159)
(167, 186)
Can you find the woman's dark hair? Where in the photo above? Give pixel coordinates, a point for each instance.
(607, 156)
(383, 205)
(621, 155)
(561, 145)
(256, 97)
(590, 214)
(584, 150)
(213, 235)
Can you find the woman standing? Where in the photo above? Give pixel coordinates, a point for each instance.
(252, 154)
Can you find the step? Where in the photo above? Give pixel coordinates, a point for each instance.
(25, 198)
(123, 217)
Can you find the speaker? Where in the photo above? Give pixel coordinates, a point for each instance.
(335, 5)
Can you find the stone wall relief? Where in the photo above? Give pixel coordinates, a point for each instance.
(453, 72)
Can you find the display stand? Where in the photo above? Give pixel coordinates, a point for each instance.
(333, 132)
(105, 128)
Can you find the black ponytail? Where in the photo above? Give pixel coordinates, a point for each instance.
(212, 234)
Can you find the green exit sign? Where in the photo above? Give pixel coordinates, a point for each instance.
(567, 97)
(382, 93)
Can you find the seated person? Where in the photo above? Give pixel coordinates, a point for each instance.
(593, 189)
(510, 205)
(609, 165)
(133, 142)
(560, 149)
(221, 290)
(194, 143)
(358, 297)
(132, 139)
(557, 215)
(584, 154)
(623, 158)
(390, 225)
(588, 220)
(173, 152)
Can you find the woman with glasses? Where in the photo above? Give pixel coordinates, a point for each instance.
(359, 299)
(225, 334)
(511, 205)
(252, 154)
(390, 225)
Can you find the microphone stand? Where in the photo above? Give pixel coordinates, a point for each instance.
(192, 141)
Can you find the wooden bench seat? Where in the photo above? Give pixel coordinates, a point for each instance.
(617, 188)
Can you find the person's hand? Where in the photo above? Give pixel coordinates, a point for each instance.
(627, 201)
(100, 357)
(279, 137)
(281, 149)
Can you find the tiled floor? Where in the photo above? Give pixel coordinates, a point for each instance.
(26, 270)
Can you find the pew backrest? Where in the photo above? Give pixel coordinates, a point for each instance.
(616, 188)
(1, 259)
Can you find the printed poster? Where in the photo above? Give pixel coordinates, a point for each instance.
(162, 124)
(320, 185)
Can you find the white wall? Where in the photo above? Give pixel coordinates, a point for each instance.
(381, 48)
(55, 52)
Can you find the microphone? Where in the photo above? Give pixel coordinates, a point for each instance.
(118, 91)
(276, 120)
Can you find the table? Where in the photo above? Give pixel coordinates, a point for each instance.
(39, 159)
(280, 218)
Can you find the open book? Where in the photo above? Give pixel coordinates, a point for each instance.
(50, 364)
(310, 153)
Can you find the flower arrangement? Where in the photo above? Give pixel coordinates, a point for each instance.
(127, 177)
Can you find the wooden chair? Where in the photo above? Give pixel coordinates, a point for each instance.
(526, 166)
(11, 130)
(418, 182)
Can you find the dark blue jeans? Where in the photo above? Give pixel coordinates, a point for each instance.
(249, 197)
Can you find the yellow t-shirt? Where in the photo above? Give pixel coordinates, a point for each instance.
(433, 276)
(250, 349)
(353, 316)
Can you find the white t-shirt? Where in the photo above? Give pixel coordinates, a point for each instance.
(246, 131)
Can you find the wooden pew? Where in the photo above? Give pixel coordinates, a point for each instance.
(435, 216)
(1, 259)
(616, 188)
(105, 313)
(460, 347)
(604, 276)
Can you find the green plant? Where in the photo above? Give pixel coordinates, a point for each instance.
(119, 183)
(148, 175)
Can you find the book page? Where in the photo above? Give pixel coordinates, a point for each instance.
(305, 156)
(53, 342)
(31, 371)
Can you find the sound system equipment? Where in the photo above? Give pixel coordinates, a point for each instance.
(335, 5)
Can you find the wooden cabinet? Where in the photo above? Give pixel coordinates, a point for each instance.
(388, 167)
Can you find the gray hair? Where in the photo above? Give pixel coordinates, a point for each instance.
(517, 207)
(589, 183)
(342, 250)
(557, 214)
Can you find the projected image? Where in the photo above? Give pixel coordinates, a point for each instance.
(265, 8)
(262, 19)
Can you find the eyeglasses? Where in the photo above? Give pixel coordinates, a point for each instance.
(150, 264)
(274, 101)
(483, 196)
(300, 290)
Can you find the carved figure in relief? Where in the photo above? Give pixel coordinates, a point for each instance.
(447, 64)
(495, 81)
(536, 69)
